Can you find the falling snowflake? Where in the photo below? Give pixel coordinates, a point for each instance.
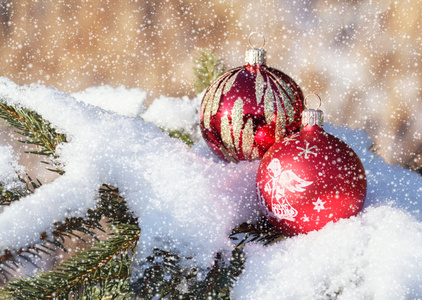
(307, 150)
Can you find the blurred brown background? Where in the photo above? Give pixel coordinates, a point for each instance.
(362, 57)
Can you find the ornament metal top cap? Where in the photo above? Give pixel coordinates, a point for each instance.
(255, 55)
(312, 116)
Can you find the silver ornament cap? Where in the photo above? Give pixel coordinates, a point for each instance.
(255, 55)
(312, 116)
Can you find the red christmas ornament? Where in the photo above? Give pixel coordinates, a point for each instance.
(310, 178)
(249, 108)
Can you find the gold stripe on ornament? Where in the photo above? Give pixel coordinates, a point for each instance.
(237, 121)
(208, 105)
(247, 138)
(255, 154)
(226, 135)
(289, 109)
(205, 100)
(269, 103)
(259, 86)
(286, 87)
(207, 115)
(280, 125)
(287, 96)
(287, 103)
(217, 95)
(230, 82)
(231, 157)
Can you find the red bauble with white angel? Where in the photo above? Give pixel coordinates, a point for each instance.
(309, 179)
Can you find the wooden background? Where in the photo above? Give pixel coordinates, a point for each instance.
(362, 57)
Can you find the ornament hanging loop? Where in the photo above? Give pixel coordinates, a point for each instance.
(263, 40)
(312, 95)
(311, 116)
(255, 56)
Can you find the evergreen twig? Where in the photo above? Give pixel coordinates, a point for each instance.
(262, 232)
(27, 187)
(164, 277)
(207, 68)
(181, 135)
(161, 276)
(40, 133)
(220, 279)
(110, 205)
(105, 265)
(36, 130)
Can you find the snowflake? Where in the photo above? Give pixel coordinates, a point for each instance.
(319, 205)
(305, 218)
(290, 138)
(307, 150)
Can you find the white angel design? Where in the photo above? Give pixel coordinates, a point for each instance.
(278, 184)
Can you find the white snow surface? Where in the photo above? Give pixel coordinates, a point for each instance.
(9, 167)
(187, 201)
(376, 255)
(172, 113)
(127, 102)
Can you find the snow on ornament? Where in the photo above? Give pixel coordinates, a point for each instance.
(248, 108)
(310, 178)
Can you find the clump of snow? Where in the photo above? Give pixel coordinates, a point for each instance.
(172, 113)
(181, 114)
(373, 256)
(9, 168)
(183, 201)
(127, 102)
(187, 202)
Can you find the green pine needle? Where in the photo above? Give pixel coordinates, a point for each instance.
(262, 232)
(182, 135)
(110, 205)
(100, 271)
(207, 69)
(36, 130)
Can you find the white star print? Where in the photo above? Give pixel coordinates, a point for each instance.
(319, 205)
(289, 139)
(305, 218)
(307, 150)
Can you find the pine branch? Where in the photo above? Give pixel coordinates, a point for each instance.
(165, 277)
(99, 271)
(27, 187)
(261, 232)
(10, 261)
(207, 68)
(8, 196)
(39, 132)
(220, 279)
(182, 135)
(114, 207)
(162, 275)
(110, 205)
(36, 130)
